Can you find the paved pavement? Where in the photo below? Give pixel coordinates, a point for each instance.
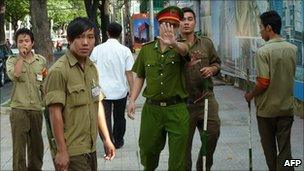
(231, 152)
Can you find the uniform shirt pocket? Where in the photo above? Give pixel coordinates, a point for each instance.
(77, 95)
(151, 70)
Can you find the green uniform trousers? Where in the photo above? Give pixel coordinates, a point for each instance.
(156, 123)
(276, 131)
(196, 120)
(83, 162)
(26, 133)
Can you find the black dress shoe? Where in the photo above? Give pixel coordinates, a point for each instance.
(118, 145)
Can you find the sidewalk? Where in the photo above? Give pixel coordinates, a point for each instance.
(231, 152)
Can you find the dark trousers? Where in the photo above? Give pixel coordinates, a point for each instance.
(26, 133)
(119, 127)
(83, 162)
(276, 131)
(196, 120)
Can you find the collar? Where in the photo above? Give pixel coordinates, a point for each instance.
(275, 40)
(112, 40)
(73, 61)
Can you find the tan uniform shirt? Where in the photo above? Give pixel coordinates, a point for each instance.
(26, 93)
(202, 54)
(276, 60)
(72, 87)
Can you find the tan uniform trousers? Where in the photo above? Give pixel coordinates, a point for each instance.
(196, 120)
(26, 133)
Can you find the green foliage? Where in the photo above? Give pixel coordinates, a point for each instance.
(16, 10)
(63, 11)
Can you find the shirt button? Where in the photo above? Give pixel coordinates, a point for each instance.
(161, 83)
(162, 55)
(161, 92)
(172, 62)
(161, 74)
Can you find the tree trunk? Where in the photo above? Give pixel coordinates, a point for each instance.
(128, 39)
(91, 10)
(2, 31)
(14, 25)
(41, 29)
(104, 16)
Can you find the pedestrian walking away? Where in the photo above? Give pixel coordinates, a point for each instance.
(161, 63)
(273, 92)
(114, 62)
(203, 65)
(73, 98)
(27, 71)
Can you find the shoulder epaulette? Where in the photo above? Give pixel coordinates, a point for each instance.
(146, 43)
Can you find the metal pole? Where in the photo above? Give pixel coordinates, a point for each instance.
(123, 28)
(151, 21)
(249, 122)
(204, 136)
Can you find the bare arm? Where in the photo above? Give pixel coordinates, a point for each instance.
(255, 92)
(138, 84)
(168, 37)
(18, 67)
(62, 156)
(130, 79)
(104, 133)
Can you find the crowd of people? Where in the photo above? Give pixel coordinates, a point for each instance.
(88, 85)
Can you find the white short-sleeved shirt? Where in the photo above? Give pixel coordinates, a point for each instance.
(113, 60)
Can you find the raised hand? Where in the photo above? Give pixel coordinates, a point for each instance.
(167, 35)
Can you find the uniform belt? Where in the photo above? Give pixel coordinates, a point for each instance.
(166, 102)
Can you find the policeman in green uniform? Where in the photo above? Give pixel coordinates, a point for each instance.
(204, 63)
(74, 100)
(161, 64)
(27, 72)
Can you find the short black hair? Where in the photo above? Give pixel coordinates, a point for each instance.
(24, 31)
(187, 9)
(114, 29)
(273, 19)
(77, 26)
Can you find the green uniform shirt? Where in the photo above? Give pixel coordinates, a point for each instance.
(202, 54)
(276, 60)
(164, 72)
(26, 93)
(72, 87)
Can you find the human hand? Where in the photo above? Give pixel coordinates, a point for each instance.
(248, 96)
(62, 161)
(206, 72)
(23, 52)
(131, 109)
(167, 35)
(109, 150)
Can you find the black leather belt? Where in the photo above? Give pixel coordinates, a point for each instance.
(166, 102)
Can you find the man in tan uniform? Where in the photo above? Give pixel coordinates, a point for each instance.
(273, 92)
(203, 65)
(27, 72)
(74, 100)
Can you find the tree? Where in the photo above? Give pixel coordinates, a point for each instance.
(104, 16)
(63, 11)
(2, 32)
(91, 7)
(41, 28)
(16, 10)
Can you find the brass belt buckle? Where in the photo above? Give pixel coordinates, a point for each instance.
(163, 104)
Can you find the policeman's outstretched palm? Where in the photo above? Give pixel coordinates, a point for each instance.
(167, 35)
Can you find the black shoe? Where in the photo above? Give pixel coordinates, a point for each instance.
(118, 145)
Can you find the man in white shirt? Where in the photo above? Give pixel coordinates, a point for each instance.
(114, 63)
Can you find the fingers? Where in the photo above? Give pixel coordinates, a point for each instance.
(206, 72)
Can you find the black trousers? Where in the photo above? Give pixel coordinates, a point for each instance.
(117, 107)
